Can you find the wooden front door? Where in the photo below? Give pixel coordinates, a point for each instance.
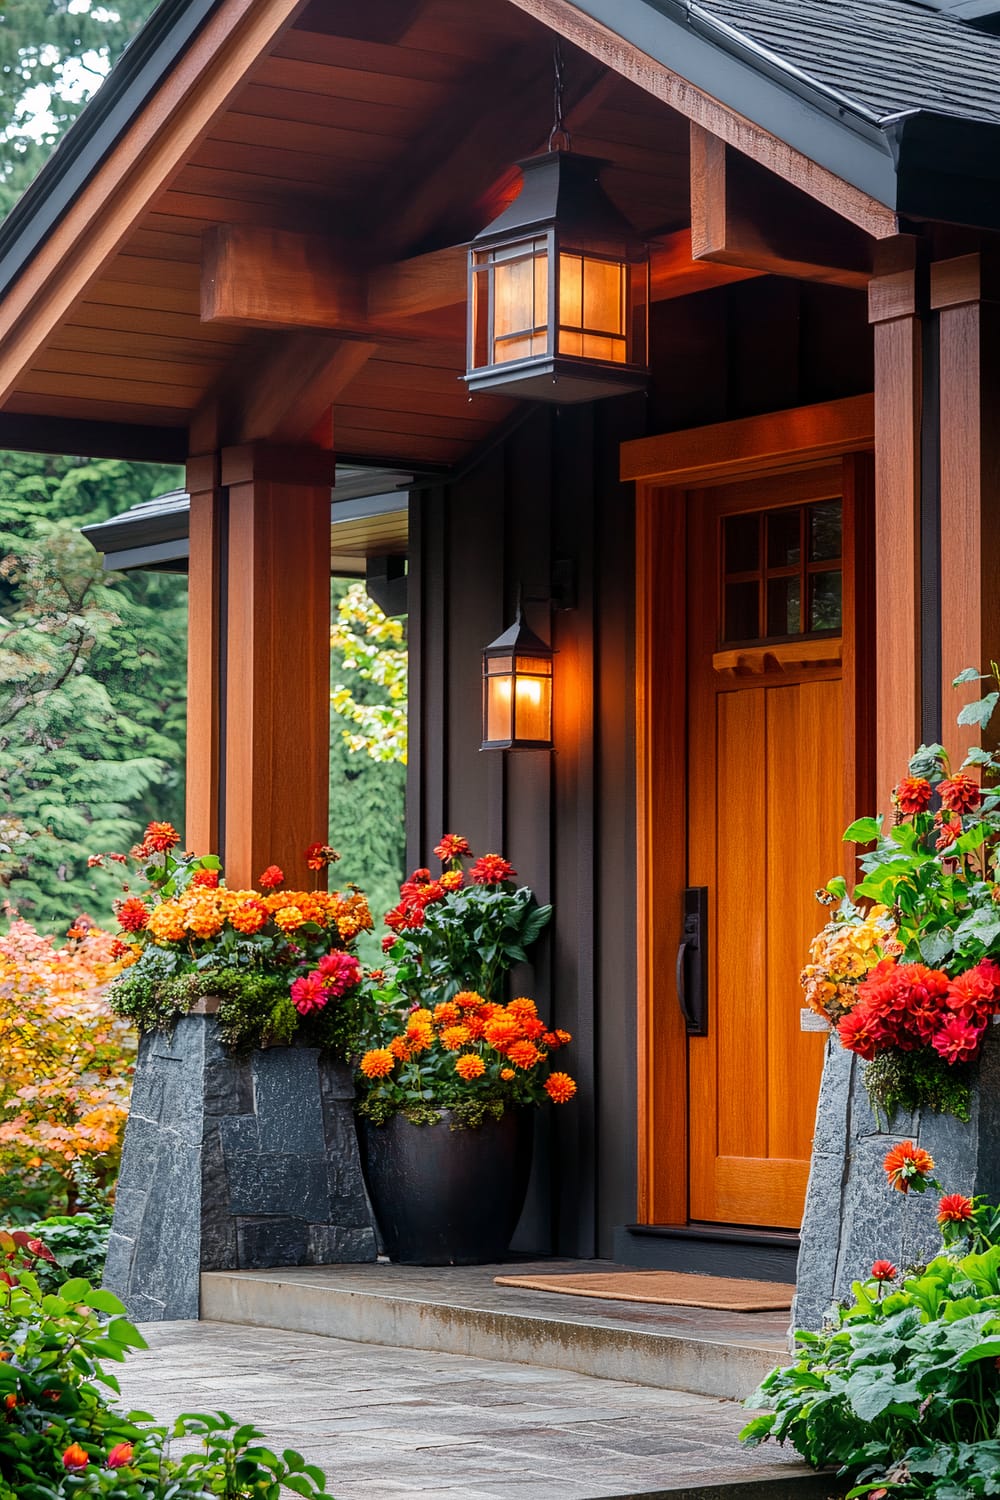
(771, 782)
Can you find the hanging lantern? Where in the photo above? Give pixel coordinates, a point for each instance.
(517, 691)
(559, 290)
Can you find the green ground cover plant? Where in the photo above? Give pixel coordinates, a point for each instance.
(901, 1388)
(62, 1434)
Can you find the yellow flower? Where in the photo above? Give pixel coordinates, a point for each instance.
(289, 918)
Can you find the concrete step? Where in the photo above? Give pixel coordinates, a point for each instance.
(458, 1310)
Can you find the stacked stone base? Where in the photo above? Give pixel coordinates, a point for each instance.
(852, 1217)
(232, 1165)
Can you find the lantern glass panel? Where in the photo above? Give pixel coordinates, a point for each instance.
(479, 343)
(592, 308)
(520, 301)
(533, 699)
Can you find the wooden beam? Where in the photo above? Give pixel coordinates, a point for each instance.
(138, 167)
(894, 310)
(657, 79)
(207, 541)
(253, 277)
(422, 284)
(673, 272)
(753, 445)
(743, 215)
(966, 292)
(25, 433)
(287, 395)
(278, 659)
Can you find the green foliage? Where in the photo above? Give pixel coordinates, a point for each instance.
(62, 1434)
(906, 1081)
(52, 57)
(79, 1243)
(462, 1114)
(369, 651)
(92, 668)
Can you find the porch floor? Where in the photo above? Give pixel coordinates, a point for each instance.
(387, 1423)
(459, 1310)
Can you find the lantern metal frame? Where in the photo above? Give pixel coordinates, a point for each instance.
(519, 640)
(561, 211)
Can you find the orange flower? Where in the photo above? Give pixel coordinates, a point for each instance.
(564, 1036)
(507, 1074)
(469, 1066)
(133, 915)
(908, 1165)
(250, 917)
(913, 795)
(532, 1027)
(491, 869)
(289, 918)
(522, 1007)
(454, 1038)
(452, 846)
(166, 923)
(160, 837)
(204, 920)
(75, 1458)
(451, 880)
(468, 999)
(378, 1063)
(400, 1047)
(474, 1025)
(960, 794)
(447, 1013)
(524, 1054)
(502, 1030)
(271, 877)
(560, 1088)
(120, 1456)
(207, 878)
(955, 1208)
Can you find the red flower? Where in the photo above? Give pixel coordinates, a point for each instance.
(75, 1458)
(388, 942)
(949, 829)
(207, 878)
(94, 861)
(309, 993)
(913, 795)
(884, 1270)
(120, 949)
(160, 837)
(133, 914)
(955, 1208)
(120, 1455)
(452, 846)
(339, 971)
(318, 856)
(858, 1033)
(972, 995)
(957, 1041)
(271, 877)
(908, 1165)
(491, 869)
(960, 794)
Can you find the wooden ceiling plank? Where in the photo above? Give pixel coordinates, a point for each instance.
(94, 410)
(398, 450)
(54, 360)
(150, 320)
(344, 83)
(137, 166)
(135, 392)
(305, 137)
(262, 101)
(80, 339)
(367, 57)
(362, 419)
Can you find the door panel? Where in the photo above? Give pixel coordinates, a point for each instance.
(765, 815)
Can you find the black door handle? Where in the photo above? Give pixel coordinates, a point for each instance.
(693, 1001)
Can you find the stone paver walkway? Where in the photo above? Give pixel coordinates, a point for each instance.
(390, 1423)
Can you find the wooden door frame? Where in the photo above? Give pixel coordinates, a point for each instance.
(664, 468)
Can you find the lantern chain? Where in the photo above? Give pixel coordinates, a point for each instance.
(559, 137)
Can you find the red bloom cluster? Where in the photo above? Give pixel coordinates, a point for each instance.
(270, 878)
(913, 795)
(318, 856)
(960, 794)
(133, 914)
(491, 869)
(452, 846)
(907, 1006)
(336, 973)
(209, 879)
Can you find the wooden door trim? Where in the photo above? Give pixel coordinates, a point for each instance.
(661, 726)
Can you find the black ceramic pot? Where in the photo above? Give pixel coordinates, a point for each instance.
(445, 1197)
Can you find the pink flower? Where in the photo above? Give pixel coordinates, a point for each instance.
(957, 1041)
(309, 993)
(339, 971)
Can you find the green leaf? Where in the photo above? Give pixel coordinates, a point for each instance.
(980, 712)
(968, 674)
(863, 831)
(103, 1301)
(75, 1290)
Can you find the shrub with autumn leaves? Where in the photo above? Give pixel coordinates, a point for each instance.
(439, 1035)
(67, 1059)
(907, 971)
(279, 962)
(61, 1432)
(901, 1388)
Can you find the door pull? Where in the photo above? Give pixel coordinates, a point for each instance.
(692, 961)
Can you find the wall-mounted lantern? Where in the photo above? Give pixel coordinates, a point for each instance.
(517, 691)
(559, 290)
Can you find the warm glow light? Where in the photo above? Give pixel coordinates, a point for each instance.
(517, 700)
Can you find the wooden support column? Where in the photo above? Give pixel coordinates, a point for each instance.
(202, 830)
(966, 293)
(278, 672)
(894, 310)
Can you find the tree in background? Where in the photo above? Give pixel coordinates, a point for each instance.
(92, 685)
(368, 755)
(53, 55)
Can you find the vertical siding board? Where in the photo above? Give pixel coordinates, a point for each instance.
(417, 666)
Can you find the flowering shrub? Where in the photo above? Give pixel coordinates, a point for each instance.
(468, 1055)
(278, 961)
(906, 969)
(61, 1435)
(67, 1059)
(902, 1388)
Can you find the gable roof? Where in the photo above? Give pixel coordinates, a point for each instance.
(886, 56)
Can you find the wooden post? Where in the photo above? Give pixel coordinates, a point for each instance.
(278, 654)
(893, 308)
(202, 812)
(966, 293)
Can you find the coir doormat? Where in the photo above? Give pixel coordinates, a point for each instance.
(675, 1288)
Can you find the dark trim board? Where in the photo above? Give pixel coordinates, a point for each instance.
(86, 439)
(760, 1255)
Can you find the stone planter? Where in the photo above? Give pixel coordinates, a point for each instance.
(851, 1216)
(232, 1165)
(445, 1197)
